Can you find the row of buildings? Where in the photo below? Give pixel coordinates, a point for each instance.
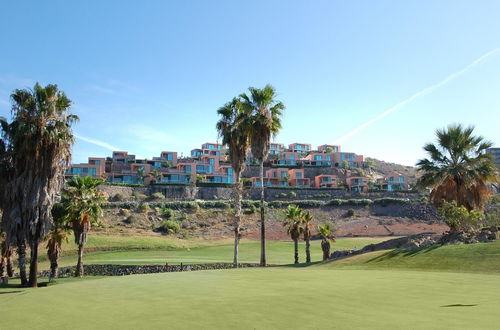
(210, 164)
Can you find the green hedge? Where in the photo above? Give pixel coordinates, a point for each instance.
(350, 202)
(215, 184)
(391, 200)
(300, 203)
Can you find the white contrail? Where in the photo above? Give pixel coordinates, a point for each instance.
(97, 142)
(423, 92)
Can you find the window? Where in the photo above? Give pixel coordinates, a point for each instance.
(187, 169)
(298, 175)
(76, 170)
(401, 179)
(92, 171)
(97, 162)
(292, 157)
(169, 157)
(318, 157)
(211, 161)
(230, 171)
(283, 174)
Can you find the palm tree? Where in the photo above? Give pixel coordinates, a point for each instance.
(6, 265)
(458, 168)
(293, 222)
(57, 235)
(38, 142)
(235, 135)
(263, 113)
(157, 175)
(307, 219)
(325, 231)
(83, 207)
(141, 174)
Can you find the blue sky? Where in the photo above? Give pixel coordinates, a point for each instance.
(149, 76)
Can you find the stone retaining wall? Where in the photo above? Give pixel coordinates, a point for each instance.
(121, 270)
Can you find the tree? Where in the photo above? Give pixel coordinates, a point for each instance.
(6, 265)
(157, 175)
(263, 114)
(307, 220)
(458, 168)
(37, 144)
(235, 135)
(82, 202)
(293, 224)
(141, 174)
(325, 231)
(57, 235)
(458, 218)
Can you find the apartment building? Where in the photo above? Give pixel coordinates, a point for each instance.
(392, 182)
(282, 177)
(496, 155)
(299, 147)
(326, 181)
(357, 183)
(211, 163)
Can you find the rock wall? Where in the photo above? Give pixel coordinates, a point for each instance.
(121, 270)
(172, 192)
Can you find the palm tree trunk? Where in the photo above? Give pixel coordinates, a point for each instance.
(237, 217)
(79, 265)
(21, 255)
(325, 246)
(34, 264)
(296, 250)
(308, 250)
(54, 268)
(3, 266)
(10, 266)
(262, 217)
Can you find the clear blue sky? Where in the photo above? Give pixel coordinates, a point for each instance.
(147, 76)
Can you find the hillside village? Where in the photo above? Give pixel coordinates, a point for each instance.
(298, 165)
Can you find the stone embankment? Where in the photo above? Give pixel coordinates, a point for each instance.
(425, 240)
(121, 270)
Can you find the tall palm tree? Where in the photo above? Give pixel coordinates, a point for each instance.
(235, 136)
(38, 143)
(325, 231)
(57, 235)
(141, 175)
(293, 224)
(6, 265)
(157, 175)
(307, 220)
(263, 113)
(458, 168)
(83, 207)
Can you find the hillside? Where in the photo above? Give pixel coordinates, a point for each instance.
(382, 168)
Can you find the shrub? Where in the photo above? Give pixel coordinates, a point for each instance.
(292, 194)
(352, 202)
(132, 220)
(250, 203)
(124, 212)
(321, 195)
(119, 197)
(157, 195)
(390, 200)
(138, 195)
(299, 203)
(171, 227)
(459, 218)
(251, 210)
(167, 212)
(350, 213)
(214, 204)
(144, 207)
(492, 219)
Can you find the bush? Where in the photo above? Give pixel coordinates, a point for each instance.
(144, 207)
(138, 195)
(167, 212)
(321, 195)
(214, 204)
(299, 203)
(171, 227)
(459, 218)
(390, 200)
(352, 202)
(119, 197)
(132, 220)
(350, 213)
(251, 210)
(158, 195)
(292, 194)
(124, 212)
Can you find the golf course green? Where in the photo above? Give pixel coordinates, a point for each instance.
(381, 290)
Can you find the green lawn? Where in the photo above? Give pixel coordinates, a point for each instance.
(451, 287)
(481, 257)
(158, 250)
(282, 297)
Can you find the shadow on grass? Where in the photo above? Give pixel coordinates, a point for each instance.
(402, 252)
(459, 305)
(301, 265)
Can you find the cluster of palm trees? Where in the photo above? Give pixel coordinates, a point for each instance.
(299, 222)
(458, 169)
(247, 123)
(35, 151)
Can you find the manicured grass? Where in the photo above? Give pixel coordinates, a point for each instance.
(144, 250)
(282, 297)
(480, 257)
